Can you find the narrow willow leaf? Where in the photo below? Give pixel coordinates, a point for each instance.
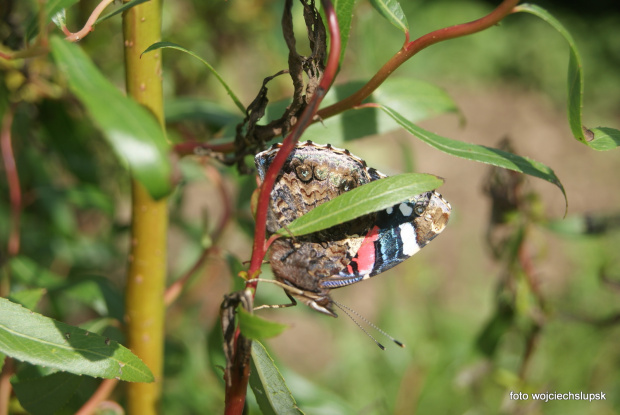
(170, 45)
(121, 9)
(371, 197)
(604, 138)
(344, 14)
(597, 138)
(268, 385)
(130, 129)
(256, 328)
(36, 339)
(391, 10)
(480, 153)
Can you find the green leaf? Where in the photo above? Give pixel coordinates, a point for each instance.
(416, 100)
(371, 197)
(605, 138)
(255, 327)
(391, 10)
(130, 129)
(170, 45)
(344, 14)
(46, 394)
(28, 298)
(597, 138)
(480, 153)
(36, 339)
(52, 8)
(121, 9)
(268, 385)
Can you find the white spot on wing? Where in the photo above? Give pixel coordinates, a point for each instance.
(405, 209)
(389, 210)
(407, 234)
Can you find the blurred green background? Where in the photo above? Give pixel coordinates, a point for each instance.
(543, 316)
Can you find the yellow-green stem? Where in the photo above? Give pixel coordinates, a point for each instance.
(144, 305)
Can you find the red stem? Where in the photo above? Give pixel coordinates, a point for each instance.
(89, 26)
(407, 51)
(258, 252)
(411, 48)
(5, 385)
(235, 394)
(15, 194)
(101, 394)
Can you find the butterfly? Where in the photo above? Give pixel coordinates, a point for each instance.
(310, 266)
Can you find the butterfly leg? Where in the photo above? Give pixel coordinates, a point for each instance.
(293, 303)
(320, 303)
(286, 288)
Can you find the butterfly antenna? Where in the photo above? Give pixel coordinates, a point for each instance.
(344, 309)
(348, 310)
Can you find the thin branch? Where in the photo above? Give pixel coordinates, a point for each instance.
(101, 394)
(15, 193)
(89, 26)
(5, 385)
(411, 48)
(258, 251)
(236, 387)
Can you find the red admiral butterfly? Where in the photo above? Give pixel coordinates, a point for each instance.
(311, 265)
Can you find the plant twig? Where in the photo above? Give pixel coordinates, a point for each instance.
(236, 387)
(89, 26)
(15, 193)
(411, 48)
(258, 251)
(5, 385)
(101, 394)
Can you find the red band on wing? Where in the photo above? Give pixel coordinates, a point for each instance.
(365, 256)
